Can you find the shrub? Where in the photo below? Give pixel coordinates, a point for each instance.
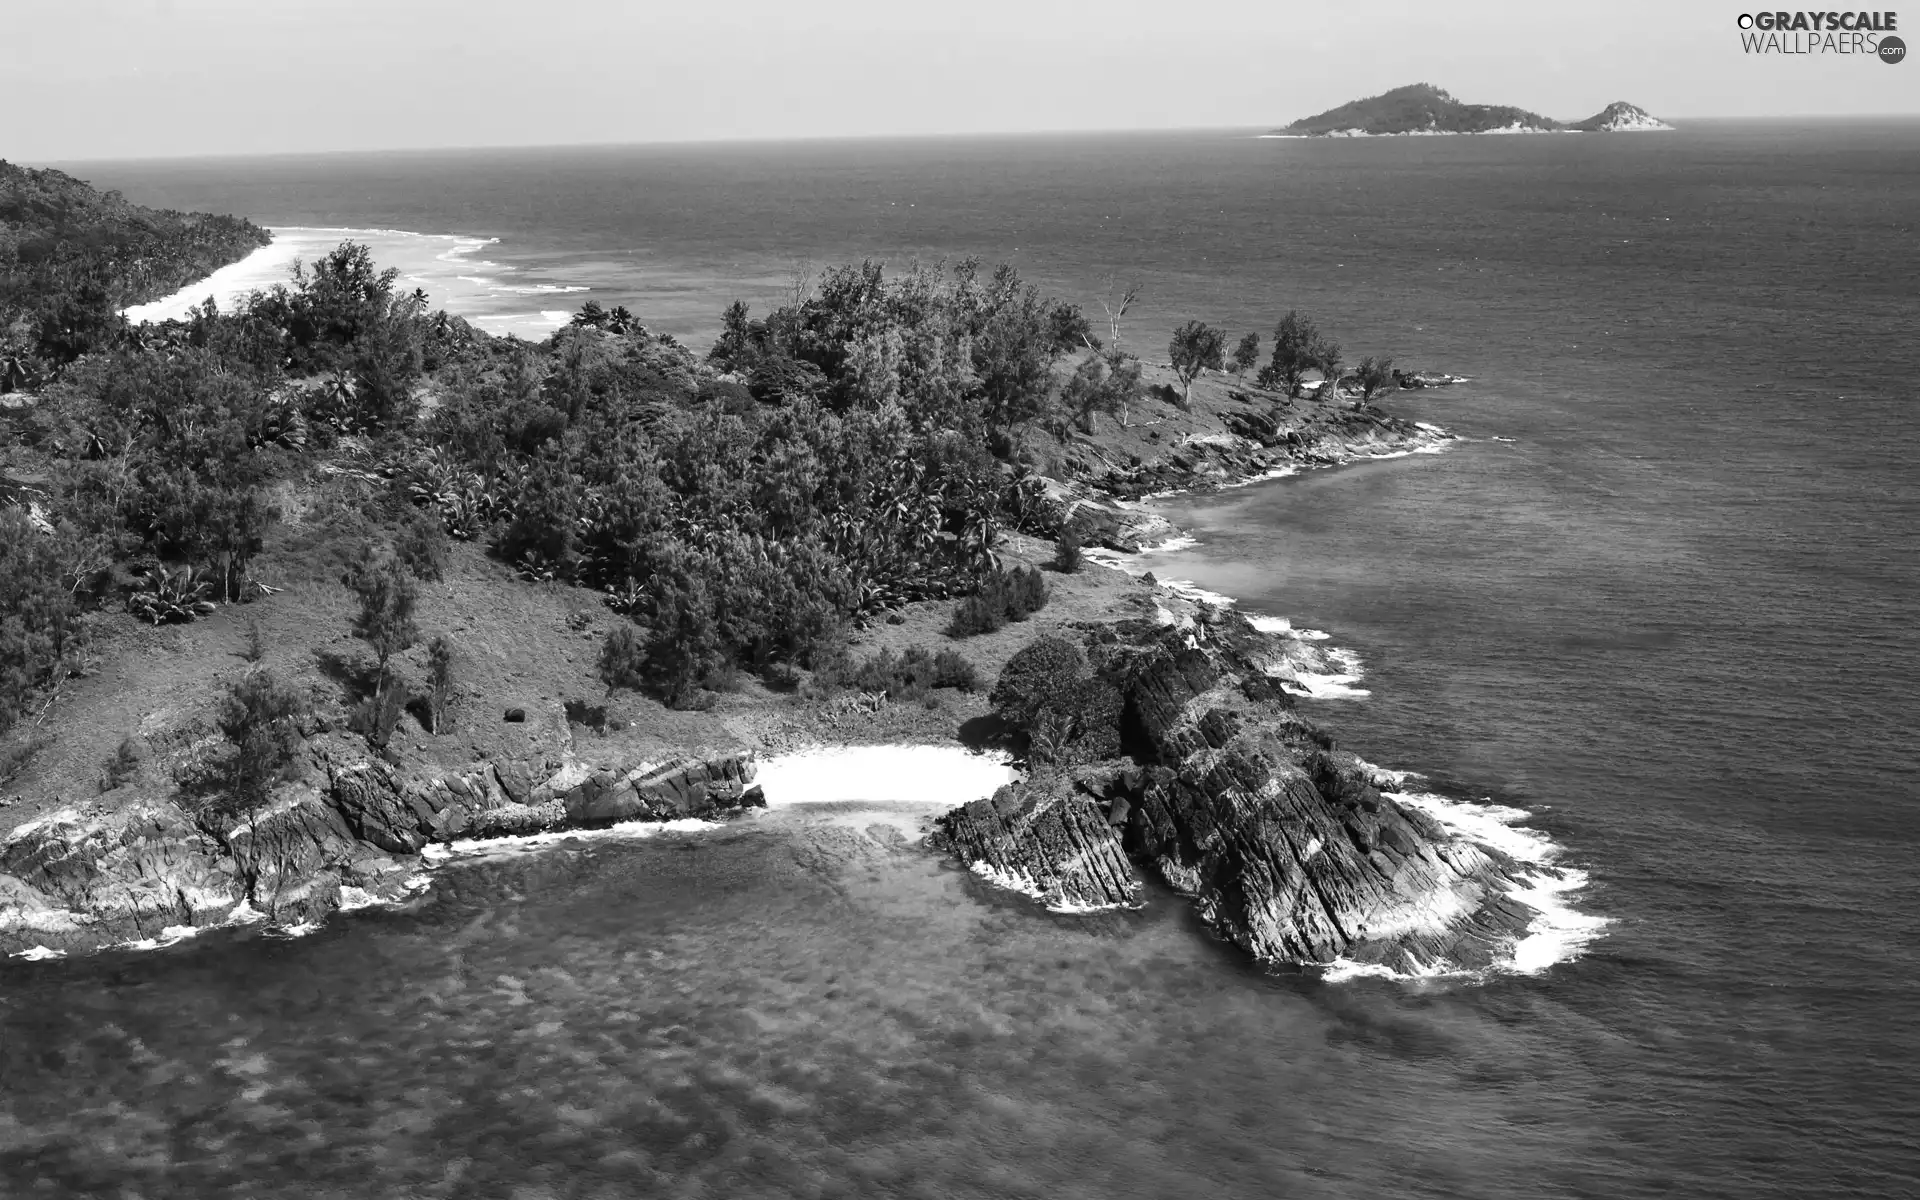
(622, 659)
(952, 669)
(911, 675)
(39, 618)
(172, 598)
(1067, 558)
(376, 717)
(1004, 595)
(1032, 677)
(976, 614)
(1067, 714)
(122, 766)
(384, 621)
(257, 716)
(422, 545)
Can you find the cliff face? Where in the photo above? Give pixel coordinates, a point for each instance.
(1288, 850)
(348, 832)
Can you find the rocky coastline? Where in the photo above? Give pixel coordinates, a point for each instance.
(1287, 847)
(348, 832)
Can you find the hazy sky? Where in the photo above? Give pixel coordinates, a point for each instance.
(124, 78)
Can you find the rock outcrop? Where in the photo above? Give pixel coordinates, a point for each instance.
(347, 832)
(1053, 838)
(1257, 443)
(1288, 849)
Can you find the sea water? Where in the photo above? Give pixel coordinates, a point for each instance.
(1652, 614)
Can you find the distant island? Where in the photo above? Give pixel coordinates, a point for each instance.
(1421, 109)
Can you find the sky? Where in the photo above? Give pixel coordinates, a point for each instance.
(162, 78)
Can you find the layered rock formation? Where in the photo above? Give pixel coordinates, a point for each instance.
(347, 832)
(1289, 850)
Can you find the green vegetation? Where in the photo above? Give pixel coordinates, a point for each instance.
(1297, 349)
(440, 684)
(1196, 347)
(1246, 353)
(860, 447)
(1372, 376)
(387, 597)
(1068, 557)
(1005, 594)
(1422, 108)
(71, 258)
(257, 717)
(1068, 713)
(910, 675)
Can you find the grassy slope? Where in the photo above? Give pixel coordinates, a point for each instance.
(535, 646)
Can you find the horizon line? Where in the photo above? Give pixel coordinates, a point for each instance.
(748, 139)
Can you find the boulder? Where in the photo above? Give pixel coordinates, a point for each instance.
(1048, 838)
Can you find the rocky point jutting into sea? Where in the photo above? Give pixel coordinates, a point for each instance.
(1287, 846)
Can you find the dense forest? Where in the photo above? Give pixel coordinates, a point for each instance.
(856, 448)
(860, 447)
(71, 257)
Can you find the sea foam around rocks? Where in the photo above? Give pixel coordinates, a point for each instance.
(1558, 933)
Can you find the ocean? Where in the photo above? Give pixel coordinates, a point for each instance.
(1655, 605)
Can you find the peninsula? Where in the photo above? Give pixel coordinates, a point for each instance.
(397, 585)
(1421, 109)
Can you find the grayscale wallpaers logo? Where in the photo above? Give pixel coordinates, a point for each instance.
(1867, 34)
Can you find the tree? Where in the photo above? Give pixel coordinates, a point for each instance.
(1117, 307)
(1326, 356)
(1246, 353)
(39, 617)
(1104, 383)
(1196, 347)
(440, 683)
(387, 596)
(257, 716)
(1070, 329)
(1374, 376)
(1296, 344)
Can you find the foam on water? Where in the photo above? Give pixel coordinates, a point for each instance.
(1557, 933)
(444, 265)
(1328, 685)
(1021, 882)
(1490, 824)
(1283, 626)
(440, 854)
(942, 776)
